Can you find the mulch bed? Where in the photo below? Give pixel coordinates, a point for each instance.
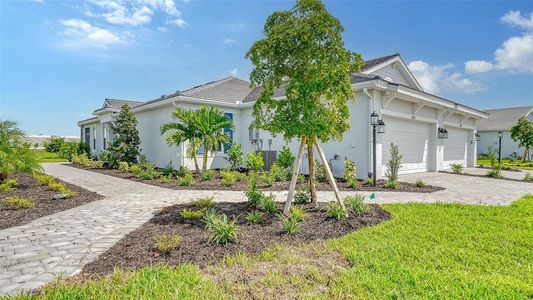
(44, 204)
(485, 176)
(136, 249)
(216, 184)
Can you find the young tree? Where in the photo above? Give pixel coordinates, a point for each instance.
(14, 155)
(522, 133)
(235, 156)
(185, 130)
(126, 141)
(211, 124)
(304, 53)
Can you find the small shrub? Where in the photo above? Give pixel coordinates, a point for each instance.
(254, 161)
(420, 183)
(166, 179)
(208, 175)
(297, 213)
(253, 194)
(268, 204)
(210, 215)
(353, 183)
(104, 155)
(186, 180)
(285, 158)
(495, 173)
(369, 181)
(43, 179)
(528, 177)
(5, 188)
(350, 172)
(356, 204)
(392, 184)
(290, 225)
(277, 172)
(62, 189)
(188, 214)
(168, 170)
(17, 202)
(492, 157)
(235, 156)
(457, 168)
(148, 171)
(54, 144)
(255, 217)
(8, 185)
(267, 179)
(301, 179)
(335, 211)
(228, 178)
(239, 176)
(136, 169)
(184, 171)
(203, 202)
(166, 243)
(221, 230)
(320, 172)
(123, 167)
(302, 196)
(394, 163)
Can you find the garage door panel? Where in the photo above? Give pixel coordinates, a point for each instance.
(412, 138)
(455, 147)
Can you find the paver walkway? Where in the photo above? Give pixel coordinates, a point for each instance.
(505, 173)
(33, 254)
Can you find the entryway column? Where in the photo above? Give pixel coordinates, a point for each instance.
(471, 159)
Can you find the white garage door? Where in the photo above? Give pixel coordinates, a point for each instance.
(455, 147)
(412, 138)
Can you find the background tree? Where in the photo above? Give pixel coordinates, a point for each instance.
(126, 141)
(185, 130)
(522, 133)
(14, 155)
(303, 52)
(211, 124)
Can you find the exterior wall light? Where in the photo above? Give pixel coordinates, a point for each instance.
(478, 137)
(442, 133)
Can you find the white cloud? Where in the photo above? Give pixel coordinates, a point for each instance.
(178, 22)
(228, 41)
(438, 79)
(478, 66)
(234, 72)
(515, 18)
(162, 29)
(81, 34)
(38, 1)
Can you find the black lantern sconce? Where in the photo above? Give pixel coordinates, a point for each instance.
(478, 137)
(442, 133)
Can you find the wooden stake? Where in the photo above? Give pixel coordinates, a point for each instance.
(295, 172)
(329, 174)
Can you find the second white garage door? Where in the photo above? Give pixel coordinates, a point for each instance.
(455, 147)
(412, 138)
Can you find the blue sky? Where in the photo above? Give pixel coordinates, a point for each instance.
(60, 59)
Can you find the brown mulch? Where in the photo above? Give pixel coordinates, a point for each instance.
(485, 176)
(136, 250)
(216, 184)
(44, 204)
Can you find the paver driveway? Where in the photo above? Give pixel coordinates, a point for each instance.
(33, 254)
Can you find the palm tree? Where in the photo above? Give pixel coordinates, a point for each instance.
(185, 130)
(211, 124)
(14, 155)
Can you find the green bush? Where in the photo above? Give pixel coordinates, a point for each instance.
(285, 158)
(166, 243)
(221, 230)
(457, 168)
(104, 155)
(335, 211)
(528, 177)
(320, 172)
(123, 167)
(253, 193)
(254, 161)
(67, 149)
(203, 202)
(62, 189)
(54, 144)
(495, 173)
(229, 178)
(350, 171)
(392, 184)
(302, 196)
(210, 215)
(356, 204)
(290, 225)
(136, 169)
(278, 173)
(8, 185)
(268, 204)
(188, 214)
(184, 171)
(369, 181)
(420, 183)
(43, 179)
(267, 179)
(186, 180)
(297, 214)
(235, 156)
(255, 217)
(5, 188)
(208, 175)
(148, 171)
(166, 179)
(394, 164)
(17, 202)
(168, 170)
(492, 157)
(239, 176)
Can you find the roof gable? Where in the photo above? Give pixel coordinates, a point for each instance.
(393, 69)
(504, 118)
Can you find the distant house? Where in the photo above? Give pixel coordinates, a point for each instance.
(501, 120)
(430, 131)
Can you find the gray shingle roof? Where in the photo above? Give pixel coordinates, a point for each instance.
(229, 89)
(503, 118)
(118, 103)
(369, 64)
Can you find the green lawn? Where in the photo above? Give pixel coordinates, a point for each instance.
(45, 156)
(426, 251)
(516, 164)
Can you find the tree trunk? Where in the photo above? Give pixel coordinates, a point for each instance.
(295, 172)
(312, 181)
(204, 162)
(196, 167)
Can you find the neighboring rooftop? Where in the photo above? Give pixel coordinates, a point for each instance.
(503, 118)
(118, 103)
(229, 89)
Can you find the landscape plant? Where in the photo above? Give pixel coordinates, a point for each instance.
(254, 162)
(208, 175)
(528, 177)
(268, 204)
(495, 173)
(228, 178)
(222, 230)
(335, 211)
(492, 157)
(186, 180)
(235, 156)
(253, 194)
(420, 183)
(54, 143)
(203, 202)
(8, 185)
(15, 156)
(285, 158)
(289, 224)
(355, 204)
(303, 52)
(166, 243)
(255, 217)
(350, 174)
(393, 166)
(17, 202)
(302, 195)
(522, 133)
(267, 179)
(123, 167)
(126, 141)
(188, 214)
(457, 168)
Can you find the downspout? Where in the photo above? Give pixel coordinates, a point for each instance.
(369, 134)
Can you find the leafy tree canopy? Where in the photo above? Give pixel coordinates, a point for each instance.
(522, 133)
(304, 53)
(126, 141)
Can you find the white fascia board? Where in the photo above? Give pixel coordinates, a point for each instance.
(405, 70)
(89, 121)
(104, 111)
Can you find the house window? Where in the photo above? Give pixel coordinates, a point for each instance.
(228, 131)
(105, 137)
(94, 138)
(87, 136)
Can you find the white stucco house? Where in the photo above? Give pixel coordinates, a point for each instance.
(413, 119)
(501, 120)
